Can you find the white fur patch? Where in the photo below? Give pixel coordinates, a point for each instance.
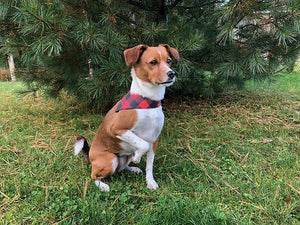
(146, 89)
(102, 186)
(78, 146)
(149, 124)
(159, 53)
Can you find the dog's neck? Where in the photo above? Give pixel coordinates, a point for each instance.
(146, 89)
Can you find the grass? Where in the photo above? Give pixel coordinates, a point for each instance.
(231, 161)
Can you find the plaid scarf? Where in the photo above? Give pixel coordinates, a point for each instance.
(135, 101)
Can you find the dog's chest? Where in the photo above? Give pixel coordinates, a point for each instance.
(149, 124)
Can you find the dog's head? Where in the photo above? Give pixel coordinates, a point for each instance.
(104, 165)
(152, 64)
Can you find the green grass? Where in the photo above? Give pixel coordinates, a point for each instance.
(231, 161)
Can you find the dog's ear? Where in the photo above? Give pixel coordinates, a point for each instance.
(172, 51)
(132, 55)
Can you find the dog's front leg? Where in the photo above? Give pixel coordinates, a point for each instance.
(138, 143)
(151, 183)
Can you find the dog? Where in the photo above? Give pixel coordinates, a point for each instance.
(132, 127)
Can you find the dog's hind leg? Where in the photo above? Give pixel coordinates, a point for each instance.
(134, 169)
(124, 161)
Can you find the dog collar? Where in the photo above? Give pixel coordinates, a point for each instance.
(135, 101)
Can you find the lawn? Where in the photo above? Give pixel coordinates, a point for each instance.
(234, 160)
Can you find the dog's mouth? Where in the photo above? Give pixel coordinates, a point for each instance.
(166, 83)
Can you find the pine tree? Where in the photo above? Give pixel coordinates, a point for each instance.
(77, 45)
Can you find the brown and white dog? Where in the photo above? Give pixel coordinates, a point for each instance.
(132, 127)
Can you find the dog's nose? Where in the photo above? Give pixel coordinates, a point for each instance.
(171, 74)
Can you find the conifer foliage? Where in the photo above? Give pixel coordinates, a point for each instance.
(78, 45)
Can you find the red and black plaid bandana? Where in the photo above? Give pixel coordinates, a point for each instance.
(135, 101)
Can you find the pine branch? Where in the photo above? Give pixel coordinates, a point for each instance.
(209, 36)
(38, 18)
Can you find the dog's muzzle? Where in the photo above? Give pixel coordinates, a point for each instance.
(171, 74)
(167, 83)
(171, 79)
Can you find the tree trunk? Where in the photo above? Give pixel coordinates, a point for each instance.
(160, 7)
(11, 66)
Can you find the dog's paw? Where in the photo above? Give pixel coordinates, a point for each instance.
(151, 184)
(136, 158)
(102, 186)
(136, 170)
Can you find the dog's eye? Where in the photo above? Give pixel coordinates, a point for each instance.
(169, 61)
(153, 62)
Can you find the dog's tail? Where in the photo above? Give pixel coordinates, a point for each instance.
(81, 144)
